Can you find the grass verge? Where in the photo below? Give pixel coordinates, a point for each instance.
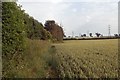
(37, 62)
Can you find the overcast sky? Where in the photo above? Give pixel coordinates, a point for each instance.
(78, 16)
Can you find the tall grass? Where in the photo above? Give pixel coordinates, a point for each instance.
(36, 62)
(34, 65)
(37, 54)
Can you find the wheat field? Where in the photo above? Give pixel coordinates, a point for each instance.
(87, 58)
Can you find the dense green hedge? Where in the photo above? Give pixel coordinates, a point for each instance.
(13, 35)
(35, 29)
(13, 29)
(17, 26)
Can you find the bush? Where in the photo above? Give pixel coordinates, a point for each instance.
(17, 26)
(13, 32)
(35, 29)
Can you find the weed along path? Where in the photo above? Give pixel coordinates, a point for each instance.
(86, 59)
(52, 63)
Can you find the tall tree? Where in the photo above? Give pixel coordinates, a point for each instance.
(90, 34)
(98, 34)
(54, 29)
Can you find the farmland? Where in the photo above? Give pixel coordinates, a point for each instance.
(32, 49)
(87, 58)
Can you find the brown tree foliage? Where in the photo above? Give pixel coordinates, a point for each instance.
(54, 29)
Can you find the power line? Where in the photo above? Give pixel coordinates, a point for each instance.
(72, 34)
(109, 28)
(79, 34)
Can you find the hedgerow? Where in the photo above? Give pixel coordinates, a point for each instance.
(17, 26)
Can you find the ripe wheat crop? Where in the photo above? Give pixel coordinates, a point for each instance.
(88, 58)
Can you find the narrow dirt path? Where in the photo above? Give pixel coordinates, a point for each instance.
(52, 72)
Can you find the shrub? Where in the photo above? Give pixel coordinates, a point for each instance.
(13, 32)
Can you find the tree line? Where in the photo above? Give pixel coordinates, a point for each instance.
(97, 35)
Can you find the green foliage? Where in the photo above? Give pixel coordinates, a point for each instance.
(13, 32)
(35, 29)
(17, 26)
(33, 65)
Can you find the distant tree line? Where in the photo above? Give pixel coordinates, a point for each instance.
(117, 35)
(90, 34)
(97, 35)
